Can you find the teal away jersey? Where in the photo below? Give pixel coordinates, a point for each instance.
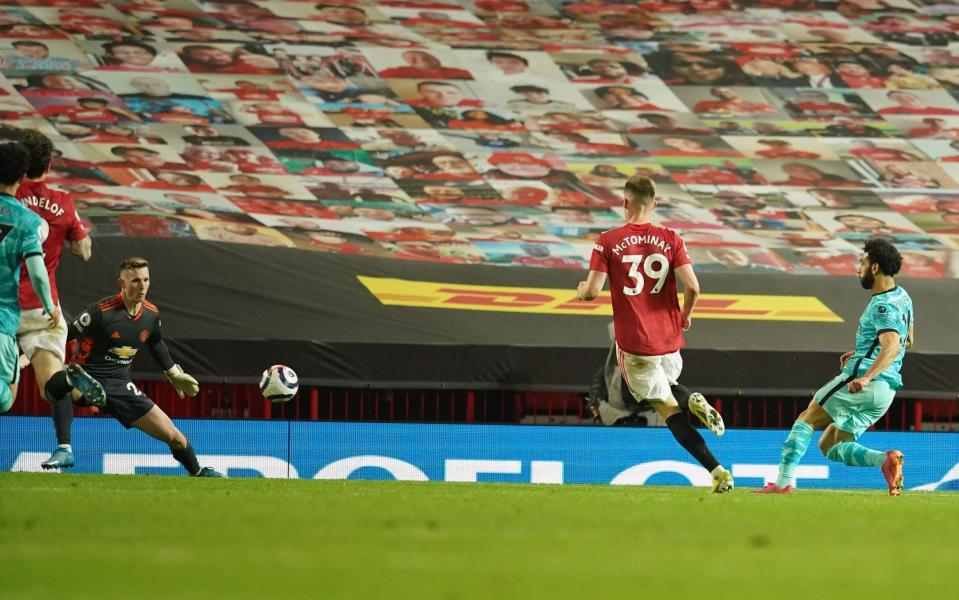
(887, 311)
(19, 238)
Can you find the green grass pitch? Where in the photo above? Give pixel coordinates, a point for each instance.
(105, 537)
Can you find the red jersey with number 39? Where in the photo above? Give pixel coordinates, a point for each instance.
(641, 261)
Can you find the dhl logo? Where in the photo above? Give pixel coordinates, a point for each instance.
(430, 294)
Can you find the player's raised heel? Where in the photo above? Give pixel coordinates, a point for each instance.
(60, 459)
(892, 471)
(208, 472)
(723, 483)
(88, 386)
(708, 415)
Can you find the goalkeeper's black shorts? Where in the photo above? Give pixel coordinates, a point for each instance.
(125, 401)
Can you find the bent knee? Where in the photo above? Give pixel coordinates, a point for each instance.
(809, 417)
(177, 440)
(826, 442)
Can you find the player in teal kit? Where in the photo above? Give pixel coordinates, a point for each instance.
(44, 346)
(20, 231)
(862, 393)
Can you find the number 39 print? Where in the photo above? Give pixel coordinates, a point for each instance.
(655, 266)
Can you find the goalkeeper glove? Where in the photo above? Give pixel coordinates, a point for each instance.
(182, 382)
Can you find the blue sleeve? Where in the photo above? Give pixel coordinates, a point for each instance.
(886, 317)
(38, 278)
(30, 243)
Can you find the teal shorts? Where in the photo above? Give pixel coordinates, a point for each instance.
(854, 413)
(9, 359)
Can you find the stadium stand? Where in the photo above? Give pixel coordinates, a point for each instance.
(340, 186)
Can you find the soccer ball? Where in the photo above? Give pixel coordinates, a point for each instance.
(279, 383)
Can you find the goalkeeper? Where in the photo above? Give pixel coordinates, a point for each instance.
(111, 332)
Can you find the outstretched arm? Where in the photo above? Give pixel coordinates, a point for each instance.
(158, 349)
(589, 289)
(41, 285)
(889, 341)
(182, 382)
(82, 248)
(687, 276)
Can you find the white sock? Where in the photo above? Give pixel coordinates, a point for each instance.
(719, 470)
(66, 447)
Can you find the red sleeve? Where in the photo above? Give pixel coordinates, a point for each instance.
(599, 261)
(680, 257)
(76, 230)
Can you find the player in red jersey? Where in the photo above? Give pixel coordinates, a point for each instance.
(642, 262)
(42, 345)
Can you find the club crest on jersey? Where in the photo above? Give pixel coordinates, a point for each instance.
(144, 336)
(123, 352)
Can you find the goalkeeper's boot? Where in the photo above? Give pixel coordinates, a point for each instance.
(772, 488)
(91, 389)
(708, 415)
(892, 471)
(208, 472)
(60, 459)
(722, 482)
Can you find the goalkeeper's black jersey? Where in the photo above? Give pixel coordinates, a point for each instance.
(110, 337)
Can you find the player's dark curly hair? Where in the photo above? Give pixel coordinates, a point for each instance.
(882, 252)
(41, 152)
(14, 158)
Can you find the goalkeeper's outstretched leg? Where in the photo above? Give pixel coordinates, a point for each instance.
(158, 425)
(121, 398)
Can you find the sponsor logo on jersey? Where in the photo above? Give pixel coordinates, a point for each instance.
(123, 352)
(431, 294)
